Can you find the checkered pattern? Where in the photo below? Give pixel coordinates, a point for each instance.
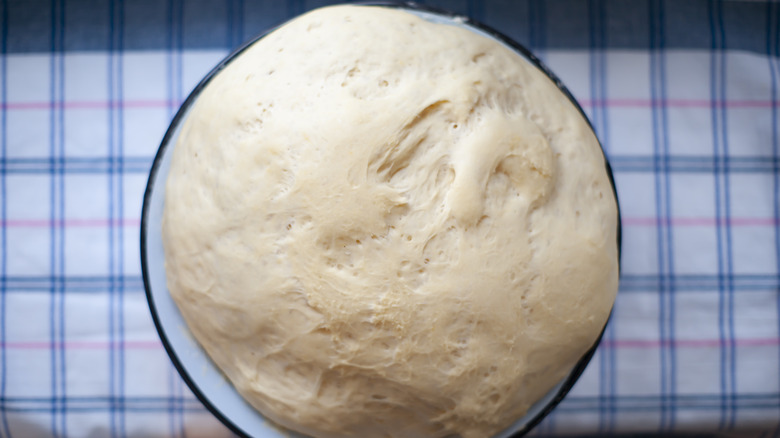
(683, 95)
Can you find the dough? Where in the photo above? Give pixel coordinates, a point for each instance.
(377, 226)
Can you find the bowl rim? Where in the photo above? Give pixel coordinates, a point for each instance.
(581, 364)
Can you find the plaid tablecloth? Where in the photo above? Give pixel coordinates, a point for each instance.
(684, 96)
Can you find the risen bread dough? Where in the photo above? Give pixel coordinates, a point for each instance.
(377, 226)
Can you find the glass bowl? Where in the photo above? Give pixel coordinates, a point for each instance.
(193, 364)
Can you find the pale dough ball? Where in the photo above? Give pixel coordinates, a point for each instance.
(377, 226)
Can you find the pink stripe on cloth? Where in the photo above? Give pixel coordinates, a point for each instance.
(616, 103)
(81, 345)
(618, 343)
(626, 221)
(90, 104)
(690, 343)
(46, 223)
(698, 221)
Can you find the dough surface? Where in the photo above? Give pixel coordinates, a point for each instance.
(377, 226)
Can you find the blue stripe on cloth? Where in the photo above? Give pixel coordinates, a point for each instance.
(697, 283)
(53, 190)
(687, 403)
(726, 225)
(598, 113)
(594, 21)
(659, 130)
(3, 208)
(172, 376)
(596, 118)
(231, 23)
(182, 421)
(112, 359)
(612, 388)
(542, 14)
(95, 404)
(658, 204)
(620, 164)
(694, 164)
(732, 364)
(74, 283)
(668, 291)
(601, 83)
(715, 91)
(52, 359)
(235, 25)
(99, 162)
(60, 251)
(562, 409)
(117, 49)
(534, 26)
(173, 57)
(572, 403)
(606, 144)
(169, 54)
(629, 283)
(660, 149)
(773, 52)
(692, 399)
(177, 15)
(238, 34)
